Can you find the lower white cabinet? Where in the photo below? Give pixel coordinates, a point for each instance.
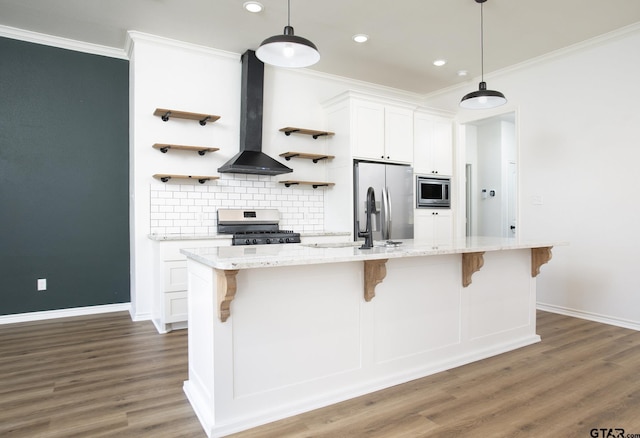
(170, 294)
(433, 225)
(170, 290)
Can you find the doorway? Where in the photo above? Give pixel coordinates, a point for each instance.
(491, 172)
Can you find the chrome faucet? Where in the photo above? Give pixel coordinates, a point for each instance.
(370, 211)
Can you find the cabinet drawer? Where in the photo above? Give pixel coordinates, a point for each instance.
(175, 276)
(175, 306)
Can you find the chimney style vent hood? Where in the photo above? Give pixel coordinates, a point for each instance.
(251, 159)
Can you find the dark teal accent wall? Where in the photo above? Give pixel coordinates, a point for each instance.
(64, 178)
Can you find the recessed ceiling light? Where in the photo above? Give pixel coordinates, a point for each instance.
(462, 73)
(360, 38)
(253, 6)
(439, 62)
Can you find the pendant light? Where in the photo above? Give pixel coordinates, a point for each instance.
(483, 98)
(288, 50)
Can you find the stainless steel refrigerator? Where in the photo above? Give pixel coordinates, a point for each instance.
(393, 186)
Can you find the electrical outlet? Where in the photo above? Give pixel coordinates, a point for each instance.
(42, 284)
(537, 200)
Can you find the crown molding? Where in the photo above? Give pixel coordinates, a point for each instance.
(61, 43)
(134, 36)
(548, 57)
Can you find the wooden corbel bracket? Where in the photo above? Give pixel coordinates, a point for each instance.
(539, 256)
(374, 273)
(471, 262)
(226, 288)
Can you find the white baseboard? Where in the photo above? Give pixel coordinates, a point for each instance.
(64, 313)
(135, 316)
(633, 325)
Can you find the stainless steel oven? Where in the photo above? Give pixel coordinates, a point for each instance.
(433, 192)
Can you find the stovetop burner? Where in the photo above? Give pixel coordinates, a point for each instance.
(239, 233)
(265, 237)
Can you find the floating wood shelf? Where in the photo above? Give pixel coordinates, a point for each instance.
(315, 157)
(164, 177)
(315, 184)
(166, 114)
(201, 150)
(315, 134)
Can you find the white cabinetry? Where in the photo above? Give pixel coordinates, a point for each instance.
(433, 144)
(170, 297)
(170, 291)
(379, 130)
(433, 225)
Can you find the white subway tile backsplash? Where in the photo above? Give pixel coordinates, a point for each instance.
(190, 208)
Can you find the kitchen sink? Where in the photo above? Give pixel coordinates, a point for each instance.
(358, 244)
(332, 244)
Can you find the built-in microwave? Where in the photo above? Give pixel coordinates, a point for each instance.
(433, 192)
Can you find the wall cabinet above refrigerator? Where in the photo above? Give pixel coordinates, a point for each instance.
(379, 130)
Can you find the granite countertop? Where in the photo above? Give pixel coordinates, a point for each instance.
(173, 237)
(261, 256)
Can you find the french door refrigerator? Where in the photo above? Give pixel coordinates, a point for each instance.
(393, 186)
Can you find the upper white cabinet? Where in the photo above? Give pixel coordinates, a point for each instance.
(398, 134)
(367, 136)
(378, 130)
(433, 144)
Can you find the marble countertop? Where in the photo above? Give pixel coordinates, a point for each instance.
(261, 256)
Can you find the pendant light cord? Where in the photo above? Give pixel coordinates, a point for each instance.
(288, 12)
(481, 43)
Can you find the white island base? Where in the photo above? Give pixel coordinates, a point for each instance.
(301, 335)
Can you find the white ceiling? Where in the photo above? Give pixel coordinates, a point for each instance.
(406, 36)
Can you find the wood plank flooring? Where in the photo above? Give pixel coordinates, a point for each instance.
(106, 376)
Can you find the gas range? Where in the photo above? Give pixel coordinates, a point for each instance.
(265, 237)
(254, 227)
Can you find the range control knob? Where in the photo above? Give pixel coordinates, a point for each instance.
(268, 240)
(255, 241)
(281, 240)
(247, 241)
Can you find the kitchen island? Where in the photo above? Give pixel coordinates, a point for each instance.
(275, 330)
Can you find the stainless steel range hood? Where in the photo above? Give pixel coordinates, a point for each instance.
(251, 159)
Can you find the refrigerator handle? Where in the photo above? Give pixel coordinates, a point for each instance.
(386, 205)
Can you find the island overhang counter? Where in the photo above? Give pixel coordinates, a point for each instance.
(275, 330)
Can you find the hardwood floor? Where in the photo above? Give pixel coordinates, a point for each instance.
(106, 376)
(93, 376)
